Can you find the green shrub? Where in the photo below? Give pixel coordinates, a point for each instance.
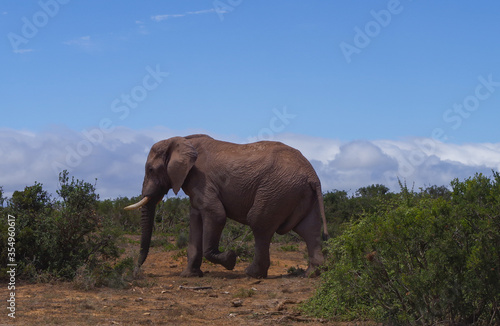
(239, 238)
(182, 240)
(419, 259)
(57, 237)
(341, 208)
(289, 247)
(172, 216)
(295, 271)
(244, 293)
(112, 210)
(119, 276)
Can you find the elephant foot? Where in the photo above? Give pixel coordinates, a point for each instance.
(229, 259)
(255, 272)
(137, 271)
(315, 269)
(312, 272)
(226, 259)
(191, 273)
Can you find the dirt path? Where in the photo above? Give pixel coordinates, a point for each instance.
(221, 297)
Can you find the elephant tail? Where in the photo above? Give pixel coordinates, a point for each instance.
(321, 204)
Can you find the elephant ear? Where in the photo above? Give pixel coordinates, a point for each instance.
(182, 158)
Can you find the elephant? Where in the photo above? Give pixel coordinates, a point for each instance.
(267, 185)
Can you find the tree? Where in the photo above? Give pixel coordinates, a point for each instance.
(30, 204)
(437, 191)
(376, 190)
(338, 210)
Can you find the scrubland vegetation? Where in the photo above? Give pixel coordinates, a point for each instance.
(425, 256)
(418, 257)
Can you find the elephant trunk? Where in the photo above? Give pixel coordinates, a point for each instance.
(147, 220)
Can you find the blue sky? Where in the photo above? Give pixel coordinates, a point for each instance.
(329, 75)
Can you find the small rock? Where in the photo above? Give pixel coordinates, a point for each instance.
(281, 305)
(139, 300)
(237, 303)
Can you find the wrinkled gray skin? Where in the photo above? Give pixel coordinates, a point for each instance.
(266, 185)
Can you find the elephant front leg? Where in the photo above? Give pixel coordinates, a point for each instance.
(195, 246)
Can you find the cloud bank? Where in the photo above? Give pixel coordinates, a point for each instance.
(116, 159)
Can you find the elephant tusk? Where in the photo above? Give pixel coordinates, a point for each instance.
(138, 205)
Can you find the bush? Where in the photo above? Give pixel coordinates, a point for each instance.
(57, 237)
(341, 208)
(33, 209)
(118, 276)
(182, 240)
(172, 215)
(419, 259)
(239, 238)
(127, 221)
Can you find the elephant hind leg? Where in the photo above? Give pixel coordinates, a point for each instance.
(310, 230)
(261, 262)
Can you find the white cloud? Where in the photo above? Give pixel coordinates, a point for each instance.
(361, 155)
(23, 51)
(117, 160)
(141, 27)
(320, 149)
(420, 161)
(159, 18)
(198, 12)
(84, 43)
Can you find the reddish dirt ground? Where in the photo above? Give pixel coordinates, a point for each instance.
(162, 297)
